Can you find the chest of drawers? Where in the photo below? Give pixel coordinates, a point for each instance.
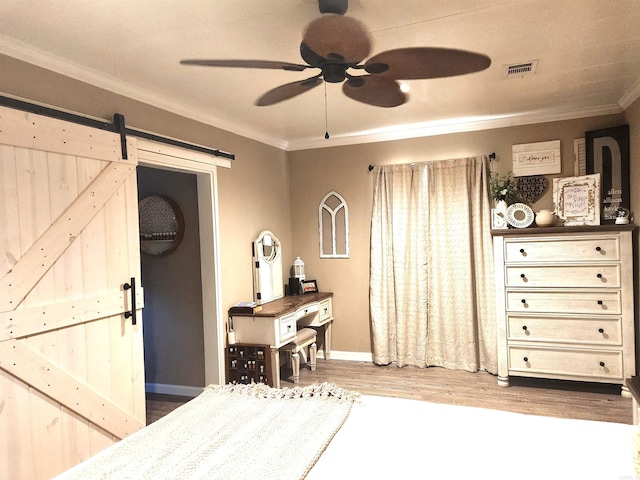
(565, 303)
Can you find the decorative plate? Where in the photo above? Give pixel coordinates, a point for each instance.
(520, 215)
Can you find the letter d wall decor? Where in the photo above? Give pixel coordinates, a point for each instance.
(607, 153)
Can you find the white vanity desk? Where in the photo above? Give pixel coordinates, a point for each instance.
(277, 323)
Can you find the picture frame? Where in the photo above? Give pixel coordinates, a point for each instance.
(539, 158)
(577, 199)
(607, 153)
(309, 286)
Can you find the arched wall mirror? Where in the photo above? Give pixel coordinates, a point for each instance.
(267, 268)
(333, 218)
(161, 225)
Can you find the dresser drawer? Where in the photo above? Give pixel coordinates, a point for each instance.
(563, 250)
(566, 362)
(588, 330)
(604, 276)
(579, 302)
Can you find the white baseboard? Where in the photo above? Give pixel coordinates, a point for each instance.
(181, 390)
(353, 356)
(187, 391)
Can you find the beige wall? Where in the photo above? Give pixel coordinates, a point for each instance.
(344, 169)
(253, 194)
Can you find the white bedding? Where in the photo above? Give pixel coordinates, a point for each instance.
(382, 438)
(386, 438)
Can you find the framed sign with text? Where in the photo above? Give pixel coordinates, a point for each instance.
(607, 153)
(577, 199)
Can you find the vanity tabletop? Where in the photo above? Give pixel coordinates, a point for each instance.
(288, 303)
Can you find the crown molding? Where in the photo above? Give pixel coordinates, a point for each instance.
(630, 97)
(455, 125)
(68, 68)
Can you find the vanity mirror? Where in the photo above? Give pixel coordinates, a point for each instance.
(267, 268)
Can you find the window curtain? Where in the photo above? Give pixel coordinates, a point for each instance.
(432, 292)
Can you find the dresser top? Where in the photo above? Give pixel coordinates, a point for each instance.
(286, 304)
(505, 232)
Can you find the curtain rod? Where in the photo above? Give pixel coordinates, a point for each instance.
(117, 126)
(492, 156)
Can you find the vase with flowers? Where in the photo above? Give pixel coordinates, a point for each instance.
(503, 190)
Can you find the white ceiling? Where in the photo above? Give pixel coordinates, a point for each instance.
(588, 54)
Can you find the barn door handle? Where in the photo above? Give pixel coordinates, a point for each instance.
(132, 313)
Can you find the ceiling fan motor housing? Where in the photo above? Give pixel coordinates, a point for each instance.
(334, 72)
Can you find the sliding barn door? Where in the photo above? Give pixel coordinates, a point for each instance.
(71, 364)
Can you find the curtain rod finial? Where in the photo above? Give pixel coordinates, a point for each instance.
(492, 156)
(371, 167)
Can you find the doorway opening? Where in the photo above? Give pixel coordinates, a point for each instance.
(200, 167)
(172, 315)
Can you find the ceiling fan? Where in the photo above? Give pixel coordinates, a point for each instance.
(336, 45)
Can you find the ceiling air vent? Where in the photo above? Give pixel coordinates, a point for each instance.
(521, 70)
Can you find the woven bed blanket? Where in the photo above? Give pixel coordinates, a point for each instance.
(229, 432)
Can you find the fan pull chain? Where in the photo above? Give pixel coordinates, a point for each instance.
(326, 115)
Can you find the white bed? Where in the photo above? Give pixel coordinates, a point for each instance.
(401, 438)
(382, 437)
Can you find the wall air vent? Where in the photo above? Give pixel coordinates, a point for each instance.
(521, 70)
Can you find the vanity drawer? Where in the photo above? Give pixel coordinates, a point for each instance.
(326, 310)
(579, 302)
(566, 362)
(604, 276)
(306, 311)
(287, 328)
(563, 250)
(591, 330)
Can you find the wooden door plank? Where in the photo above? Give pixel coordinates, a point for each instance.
(34, 214)
(48, 247)
(15, 456)
(36, 371)
(46, 434)
(9, 216)
(29, 130)
(32, 321)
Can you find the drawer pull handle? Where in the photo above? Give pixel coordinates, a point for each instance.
(602, 364)
(526, 359)
(599, 275)
(522, 275)
(598, 249)
(523, 300)
(524, 327)
(601, 330)
(599, 302)
(522, 250)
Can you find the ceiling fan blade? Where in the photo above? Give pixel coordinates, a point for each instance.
(247, 64)
(426, 62)
(287, 91)
(378, 91)
(338, 39)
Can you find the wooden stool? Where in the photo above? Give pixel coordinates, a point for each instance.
(305, 337)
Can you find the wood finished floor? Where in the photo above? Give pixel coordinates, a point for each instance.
(554, 398)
